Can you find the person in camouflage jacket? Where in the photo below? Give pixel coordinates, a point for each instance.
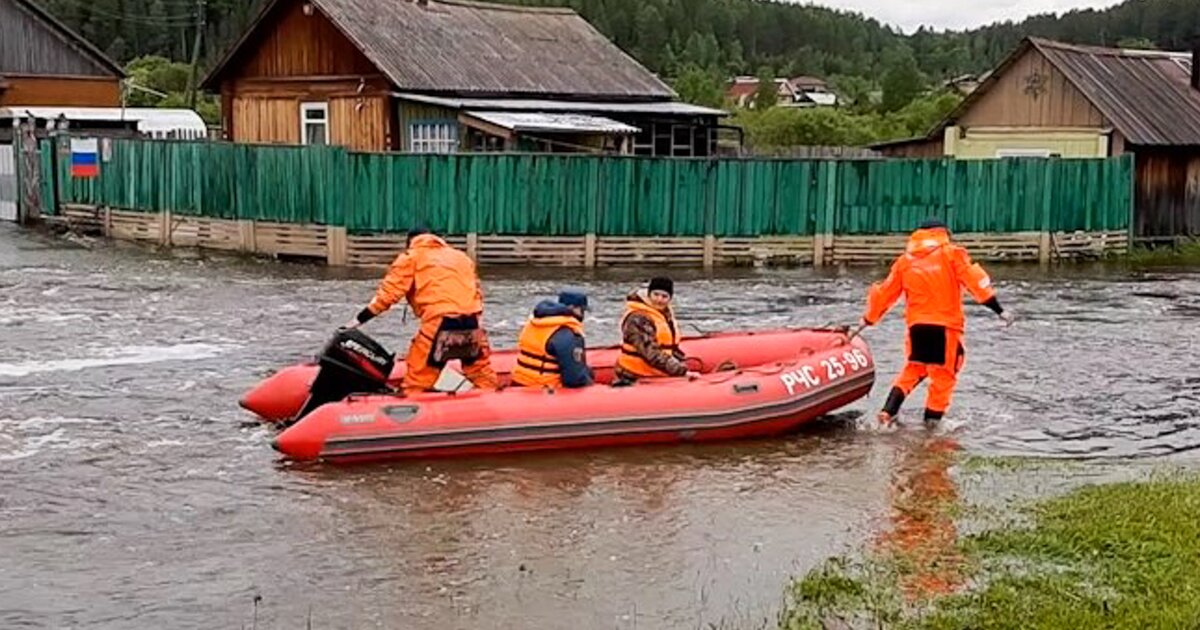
(650, 334)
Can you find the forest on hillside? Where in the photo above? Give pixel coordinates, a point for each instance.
(695, 44)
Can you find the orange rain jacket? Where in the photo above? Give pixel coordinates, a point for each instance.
(436, 279)
(931, 275)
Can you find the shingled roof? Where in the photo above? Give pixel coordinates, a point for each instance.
(1145, 95)
(473, 48)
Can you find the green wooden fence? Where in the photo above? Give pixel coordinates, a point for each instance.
(610, 196)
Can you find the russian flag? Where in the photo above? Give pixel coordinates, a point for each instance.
(85, 160)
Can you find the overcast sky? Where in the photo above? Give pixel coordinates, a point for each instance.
(956, 14)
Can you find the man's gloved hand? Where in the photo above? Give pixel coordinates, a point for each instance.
(1008, 317)
(855, 331)
(351, 325)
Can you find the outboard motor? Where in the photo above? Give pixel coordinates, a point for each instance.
(351, 363)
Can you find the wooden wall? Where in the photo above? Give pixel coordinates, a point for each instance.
(1167, 192)
(356, 122)
(64, 91)
(932, 147)
(296, 45)
(410, 112)
(28, 45)
(360, 123)
(295, 58)
(1032, 93)
(265, 119)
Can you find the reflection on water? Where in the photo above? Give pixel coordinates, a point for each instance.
(921, 535)
(136, 494)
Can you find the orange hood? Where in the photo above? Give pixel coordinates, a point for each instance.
(924, 242)
(427, 241)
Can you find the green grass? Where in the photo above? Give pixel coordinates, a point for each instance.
(978, 463)
(1187, 253)
(1123, 555)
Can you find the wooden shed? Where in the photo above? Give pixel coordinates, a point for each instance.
(443, 76)
(42, 62)
(1051, 99)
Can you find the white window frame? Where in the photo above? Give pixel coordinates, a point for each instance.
(433, 136)
(305, 108)
(1020, 153)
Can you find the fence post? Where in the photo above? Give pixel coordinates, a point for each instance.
(335, 246)
(473, 245)
(246, 235)
(712, 183)
(1045, 238)
(1128, 161)
(164, 236)
(589, 250)
(107, 222)
(823, 228)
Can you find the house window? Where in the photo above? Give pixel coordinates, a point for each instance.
(433, 137)
(314, 123)
(1020, 153)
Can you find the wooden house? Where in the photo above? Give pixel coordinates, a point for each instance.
(445, 76)
(1050, 99)
(42, 62)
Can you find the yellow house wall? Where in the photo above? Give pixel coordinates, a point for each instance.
(983, 144)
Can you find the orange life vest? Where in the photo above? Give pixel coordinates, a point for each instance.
(535, 367)
(665, 334)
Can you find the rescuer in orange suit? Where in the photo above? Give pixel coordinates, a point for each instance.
(440, 284)
(931, 275)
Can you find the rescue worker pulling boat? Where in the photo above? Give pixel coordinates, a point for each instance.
(931, 275)
(551, 347)
(440, 284)
(650, 335)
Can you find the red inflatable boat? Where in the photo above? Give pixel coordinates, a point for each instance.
(802, 375)
(281, 396)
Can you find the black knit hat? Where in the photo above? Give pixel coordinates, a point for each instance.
(932, 223)
(663, 284)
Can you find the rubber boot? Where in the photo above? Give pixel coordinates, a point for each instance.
(891, 408)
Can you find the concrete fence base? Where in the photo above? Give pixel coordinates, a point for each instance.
(337, 247)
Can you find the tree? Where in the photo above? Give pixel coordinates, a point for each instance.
(852, 91)
(159, 74)
(767, 94)
(902, 82)
(700, 86)
(160, 82)
(701, 50)
(652, 36)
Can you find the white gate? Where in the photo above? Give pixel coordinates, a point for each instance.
(8, 183)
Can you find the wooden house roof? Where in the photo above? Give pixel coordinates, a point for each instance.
(473, 48)
(1145, 95)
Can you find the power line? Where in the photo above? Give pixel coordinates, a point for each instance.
(184, 20)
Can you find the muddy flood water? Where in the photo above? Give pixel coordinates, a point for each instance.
(135, 493)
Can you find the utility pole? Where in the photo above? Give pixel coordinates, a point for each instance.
(201, 20)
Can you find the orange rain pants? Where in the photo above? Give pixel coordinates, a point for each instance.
(942, 377)
(421, 374)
